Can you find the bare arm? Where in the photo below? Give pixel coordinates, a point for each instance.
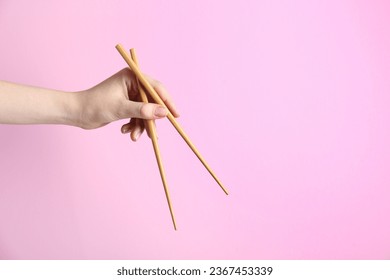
(111, 100)
(20, 104)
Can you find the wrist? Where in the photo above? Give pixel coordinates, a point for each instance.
(74, 109)
(84, 110)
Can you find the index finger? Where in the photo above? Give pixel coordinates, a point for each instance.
(164, 94)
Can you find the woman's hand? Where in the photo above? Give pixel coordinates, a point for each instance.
(118, 98)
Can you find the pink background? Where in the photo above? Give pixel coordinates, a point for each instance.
(287, 100)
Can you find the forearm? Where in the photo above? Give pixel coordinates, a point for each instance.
(20, 104)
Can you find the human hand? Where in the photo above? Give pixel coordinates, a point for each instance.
(118, 98)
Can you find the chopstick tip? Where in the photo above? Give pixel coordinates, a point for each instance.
(119, 46)
(223, 188)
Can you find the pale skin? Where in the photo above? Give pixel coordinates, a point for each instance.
(114, 99)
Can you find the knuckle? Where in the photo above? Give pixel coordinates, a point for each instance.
(144, 110)
(125, 71)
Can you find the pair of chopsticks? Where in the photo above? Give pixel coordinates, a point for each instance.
(133, 64)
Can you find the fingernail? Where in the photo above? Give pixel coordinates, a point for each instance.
(174, 110)
(160, 112)
(136, 135)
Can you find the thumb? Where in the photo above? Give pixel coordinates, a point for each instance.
(148, 111)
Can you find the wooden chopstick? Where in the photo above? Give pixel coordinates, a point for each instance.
(171, 118)
(150, 126)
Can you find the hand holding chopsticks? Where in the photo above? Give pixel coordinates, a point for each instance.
(145, 84)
